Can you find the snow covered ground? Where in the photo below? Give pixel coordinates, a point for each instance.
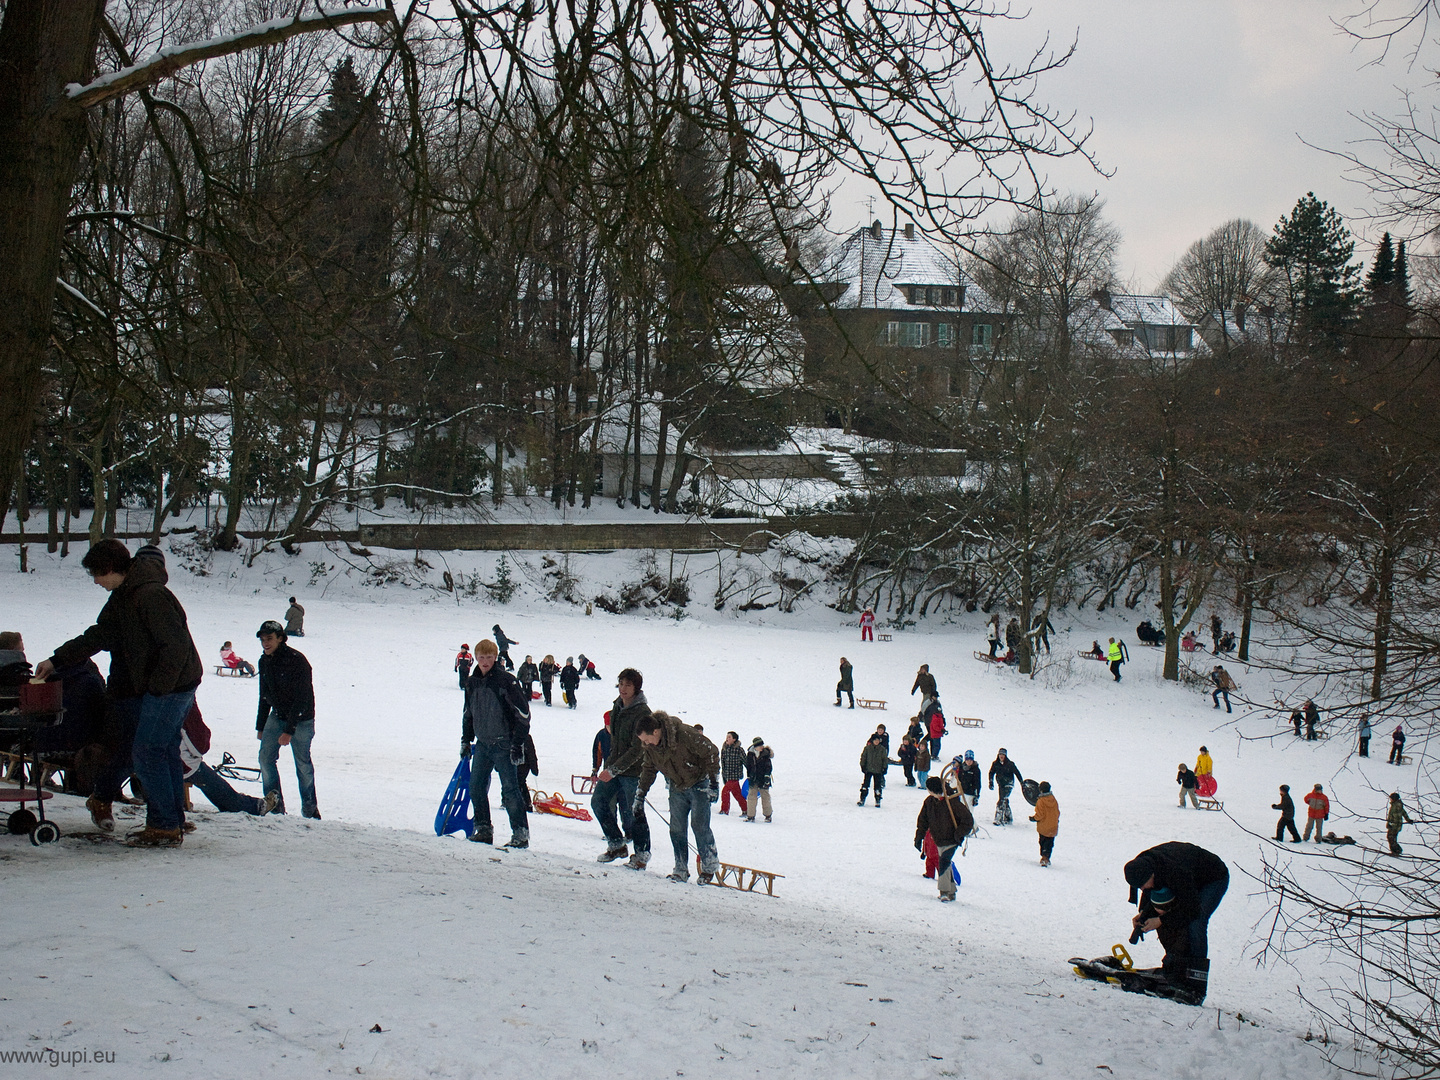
(272, 947)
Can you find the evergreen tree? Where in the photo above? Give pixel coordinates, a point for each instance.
(1382, 271)
(1311, 249)
(1387, 287)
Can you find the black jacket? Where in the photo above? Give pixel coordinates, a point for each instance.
(83, 695)
(1185, 868)
(627, 752)
(501, 691)
(569, 676)
(1006, 770)
(970, 776)
(547, 672)
(286, 686)
(947, 820)
(759, 766)
(528, 673)
(1186, 778)
(1286, 805)
(142, 626)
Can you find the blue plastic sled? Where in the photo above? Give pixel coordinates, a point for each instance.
(745, 790)
(454, 812)
(955, 873)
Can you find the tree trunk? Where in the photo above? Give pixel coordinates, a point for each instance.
(44, 44)
(1384, 613)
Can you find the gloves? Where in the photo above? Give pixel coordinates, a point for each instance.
(992, 785)
(464, 749)
(517, 755)
(637, 809)
(920, 846)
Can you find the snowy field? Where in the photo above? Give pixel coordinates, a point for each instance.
(272, 947)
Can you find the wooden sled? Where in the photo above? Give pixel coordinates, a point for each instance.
(582, 785)
(555, 804)
(870, 703)
(882, 637)
(1210, 804)
(1087, 655)
(986, 658)
(968, 721)
(733, 877)
(232, 672)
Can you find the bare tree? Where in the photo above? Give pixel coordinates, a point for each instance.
(1223, 270)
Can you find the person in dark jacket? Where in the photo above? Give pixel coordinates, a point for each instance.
(497, 720)
(548, 670)
(154, 670)
(503, 643)
(14, 668)
(760, 771)
(1365, 731)
(526, 769)
(1012, 635)
(528, 675)
(925, 683)
(948, 820)
(619, 777)
(874, 764)
(970, 777)
(587, 668)
(905, 758)
(1040, 630)
(732, 771)
(1397, 745)
(1185, 777)
(1312, 718)
(570, 681)
(83, 698)
(846, 685)
(1198, 878)
(286, 717)
(1008, 773)
(1286, 806)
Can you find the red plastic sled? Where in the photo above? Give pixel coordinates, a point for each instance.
(1205, 786)
(534, 695)
(554, 804)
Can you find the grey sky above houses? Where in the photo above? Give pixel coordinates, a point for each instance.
(1203, 109)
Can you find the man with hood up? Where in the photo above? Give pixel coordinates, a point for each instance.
(154, 671)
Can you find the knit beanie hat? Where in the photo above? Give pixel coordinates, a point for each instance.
(933, 785)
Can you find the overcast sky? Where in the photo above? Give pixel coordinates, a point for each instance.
(1203, 108)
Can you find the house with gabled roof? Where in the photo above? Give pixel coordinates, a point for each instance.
(892, 308)
(1138, 325)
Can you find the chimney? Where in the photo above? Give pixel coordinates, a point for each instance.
(877, 230)
(1101, 297)
(910, 230)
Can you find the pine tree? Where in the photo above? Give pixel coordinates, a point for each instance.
(1311, 249)
(1382, 271)
(1387, 287)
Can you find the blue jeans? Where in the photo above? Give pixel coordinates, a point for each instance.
(304, 767)
(694, 803)
(156, 756)
(226, 799)
(485, 758)
(1210, 896)
(619, 793)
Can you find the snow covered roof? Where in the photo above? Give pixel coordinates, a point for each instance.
(874, 264)
(1138, 323)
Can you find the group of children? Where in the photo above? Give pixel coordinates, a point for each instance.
(529, 673)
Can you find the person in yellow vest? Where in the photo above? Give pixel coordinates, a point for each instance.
(1117, 655)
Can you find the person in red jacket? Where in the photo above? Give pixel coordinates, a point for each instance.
(867, 625)
(1319, 810)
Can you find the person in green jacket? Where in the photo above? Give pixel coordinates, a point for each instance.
(1394, 821)
(688, 759)
(874, 763)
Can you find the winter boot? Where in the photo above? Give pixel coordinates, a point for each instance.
(100, 814)
(482, 836)
(680, 874)
(519, 840)
(611, 854)
(1191, 987)
(862, 798)
(706, 878)
(637, 861)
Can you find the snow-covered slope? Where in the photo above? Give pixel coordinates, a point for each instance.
(271, 947)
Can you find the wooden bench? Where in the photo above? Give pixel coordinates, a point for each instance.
(232, 672)
(882, 637)
(1210, 804)
(968, 721)
(733, 877)
(870, 703)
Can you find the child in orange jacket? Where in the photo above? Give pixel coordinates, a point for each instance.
(1047, 821)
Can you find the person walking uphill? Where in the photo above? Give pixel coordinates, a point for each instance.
(463, 663)
(1319, 810)
(503, 643)
(1188, 784)
(1008, 773)
(948, 820)
(570, 681)
(1197, 880)
(874, 763)
(925, 683)
(619, 778)
(1223, 685)
(548, 670)
(1286, 806)
(497, 720)
(1117, 654)
(688, 759)
(286, 716)
(154, 670)
(846, 685)
(1047, 821)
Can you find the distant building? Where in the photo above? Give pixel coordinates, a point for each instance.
(1137, 325)
(1252, 326)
